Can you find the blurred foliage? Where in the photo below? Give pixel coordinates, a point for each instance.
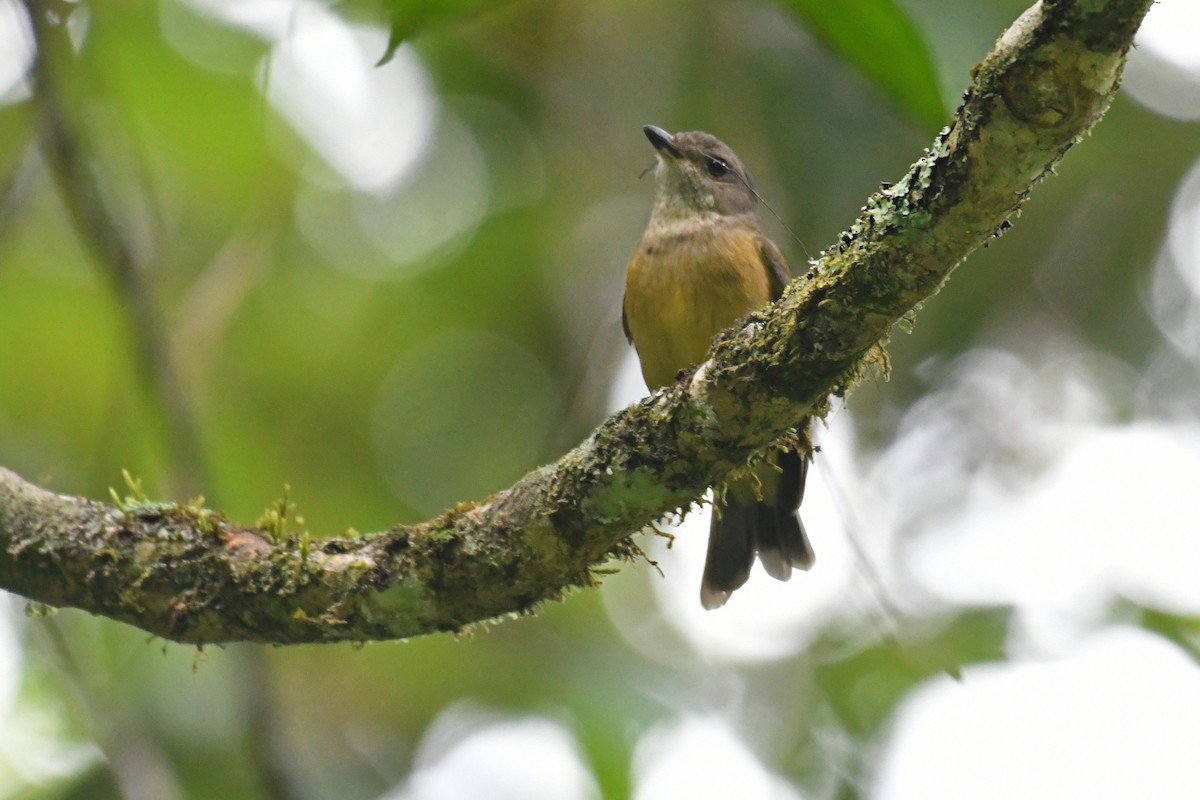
(1182, 630)
(879, 39)
(387, 352)
(876, 37)
(864, 688)
(407, 17)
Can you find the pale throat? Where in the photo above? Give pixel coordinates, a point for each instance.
(672, 219)
(677, 196)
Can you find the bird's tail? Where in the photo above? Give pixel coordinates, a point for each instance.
(743, 525)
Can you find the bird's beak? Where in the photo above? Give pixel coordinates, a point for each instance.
(663, 142)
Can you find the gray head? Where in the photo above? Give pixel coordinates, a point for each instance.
(698, 174)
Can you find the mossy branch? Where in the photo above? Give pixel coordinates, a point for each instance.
(188, 574)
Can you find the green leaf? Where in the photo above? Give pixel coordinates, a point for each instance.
(406, 17)
(1181, 629)
(864, 687)
(881, 41)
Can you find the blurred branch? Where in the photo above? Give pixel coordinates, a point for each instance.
(188, 574)
(15, 190)
(66, 151)
(138, 765)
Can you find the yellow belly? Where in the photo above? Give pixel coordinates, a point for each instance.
(685, 285)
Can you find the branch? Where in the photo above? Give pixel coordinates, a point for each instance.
(188, 574)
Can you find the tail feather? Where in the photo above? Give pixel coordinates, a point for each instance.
(783, 543)
(732, 538)
(769, 528)
(793, 475)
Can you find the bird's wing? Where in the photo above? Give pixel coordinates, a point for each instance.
(777, 269)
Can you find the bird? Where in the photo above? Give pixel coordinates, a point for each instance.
(702, 264)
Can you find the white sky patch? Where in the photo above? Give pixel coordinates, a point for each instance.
(16, 52)
(369, 124)
(1171, 30)
(627, 386)
(702, 758)
(1174, 296)
(1013, 484)
(469, 753)
(1183, 233)
(1114, 515)
(1163, 72)
(1119, 718)
(35, 747)
(268, 19)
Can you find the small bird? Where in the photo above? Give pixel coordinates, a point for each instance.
(703, 264)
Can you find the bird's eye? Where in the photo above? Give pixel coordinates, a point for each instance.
(717, 168)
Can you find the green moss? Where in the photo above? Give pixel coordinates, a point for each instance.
(276, 517)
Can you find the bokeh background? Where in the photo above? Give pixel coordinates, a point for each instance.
(397, 287)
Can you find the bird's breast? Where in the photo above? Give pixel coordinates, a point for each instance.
(685, 283)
